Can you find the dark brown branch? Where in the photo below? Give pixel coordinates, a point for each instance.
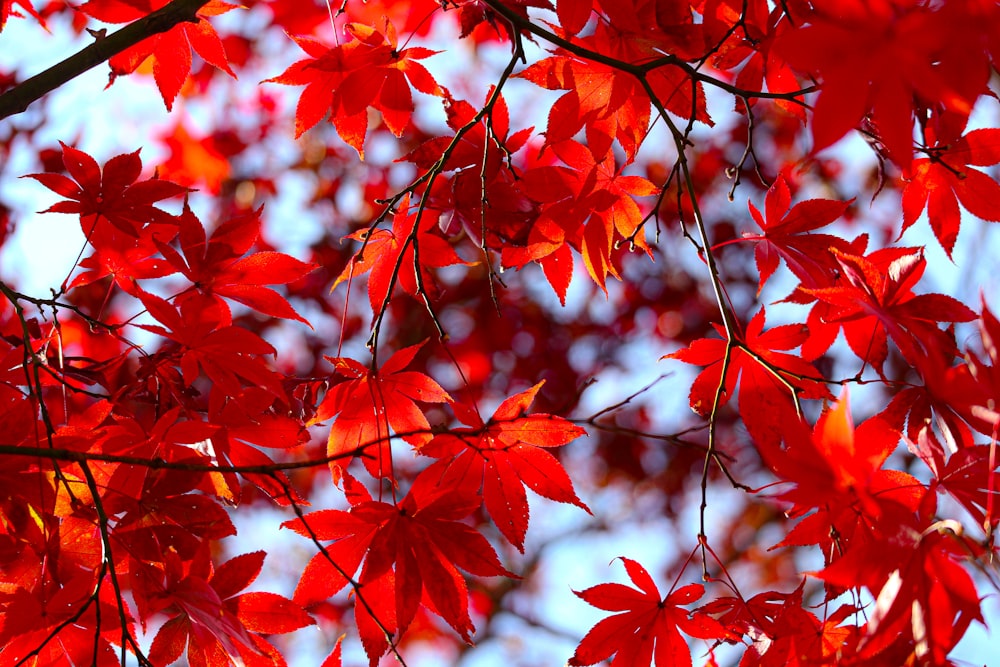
(19, 98)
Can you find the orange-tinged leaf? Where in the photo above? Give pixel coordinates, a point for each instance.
(373, 405)
(392, 262)
(170, 51)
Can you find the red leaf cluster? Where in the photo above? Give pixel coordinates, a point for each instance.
(206, 356)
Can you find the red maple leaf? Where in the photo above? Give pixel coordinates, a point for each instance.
(113, 196)
(928, 413)
(573, 16)
(219, 266)
(228, 355)
(170, 50)
(648, 629)
(766, 377)
(927, 596)
(393, 256)
(504, 456)
(7, 10)
(970, 477)
(591, 207)
(481, 156)
(785, 237)
(607, 103)
(217, 624)
(86, 635)
(875, 58)
(371, 405)
(874, 298)
(940, 183)
(836, 467)
(753, 48)
(412, 551)
(347, 79)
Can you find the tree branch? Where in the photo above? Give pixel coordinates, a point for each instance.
(19, 98)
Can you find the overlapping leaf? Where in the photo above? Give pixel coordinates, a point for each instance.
(371, 405)
(412, 554)
(767, 377)
(113, 195)
(393, 257)
(345, 80)
(588, 204)
(218, 624)
(220, 266)
(785, 235)
(874, 58)
(873, 300)
(506, 455)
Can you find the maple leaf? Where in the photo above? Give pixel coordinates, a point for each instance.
(215, 621)
(170, 50)
(873, 299)
(195, 160)
(928, 595)
(412, 551)
(977, 383)
(753, 47)
(481, 155)
(86, 634)
(782, 632)
(592, 208)
(648, 629)
(228, 355)
(504, 456)
(372, 404)
(784, 237)
(7, 10)
(607, 103)
(874, 58)
(220, 266)
(392, 256)
(247, 422)
(113, 195)
(472, 13)
(347, 79)
(574, 14)
(927, 414)
(836, 467)
(970, 477)
(766, 377)
(938, 184)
